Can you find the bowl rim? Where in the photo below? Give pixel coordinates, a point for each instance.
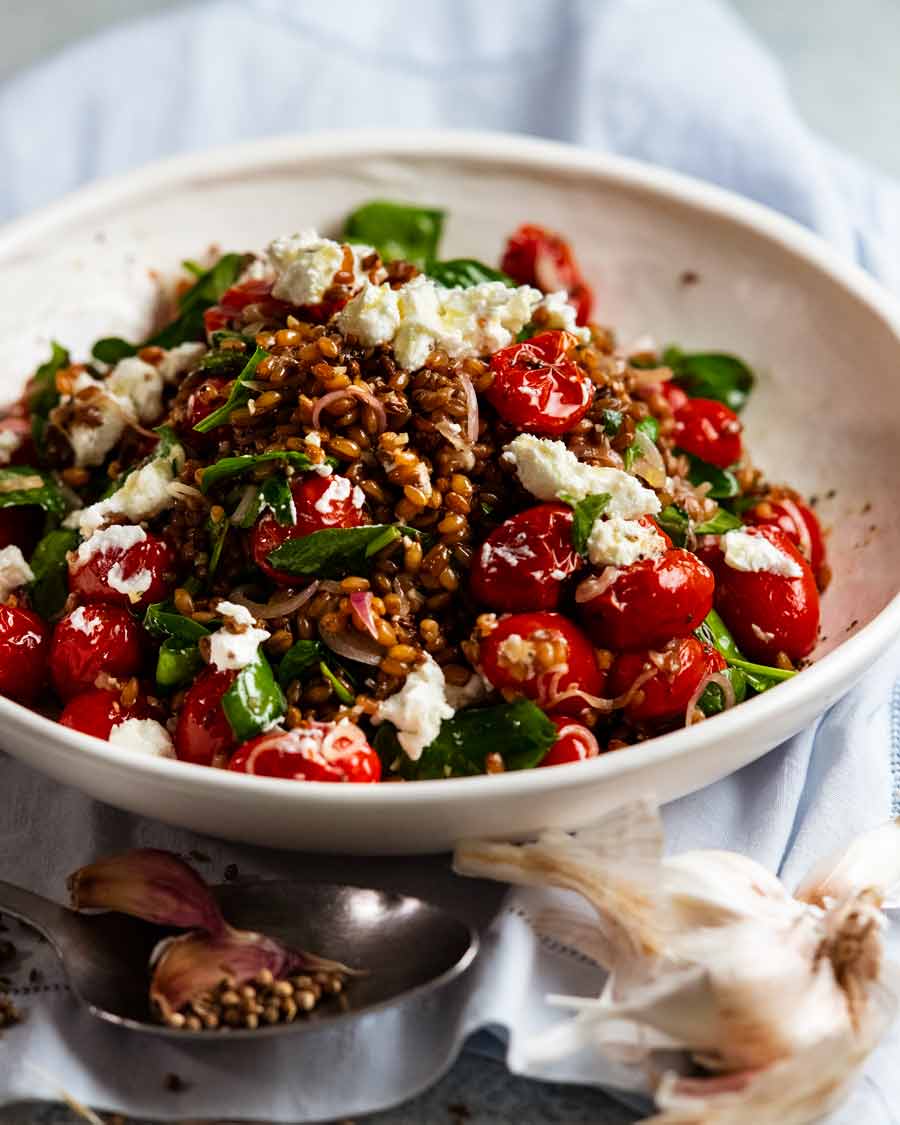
(821, 680)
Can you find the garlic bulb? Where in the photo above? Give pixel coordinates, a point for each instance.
(779, 997)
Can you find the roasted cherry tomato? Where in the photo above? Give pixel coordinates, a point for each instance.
(23, 653)
(768, 613)
(133, 575)
(97, 712)
(648, 603)
(524, 562)
(542, 656)
(536, 256)
(204, 735)
(675, 395)
(574, 743)
(797, 521)
(90, 640)
(21, 527)
(255, 291)
(201, 402)
(676, 674)
(318, 752)
(320, 502)
(537, 387)
(709, 430)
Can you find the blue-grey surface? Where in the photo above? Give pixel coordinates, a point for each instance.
(846, 214)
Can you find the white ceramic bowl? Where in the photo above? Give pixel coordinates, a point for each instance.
(823, 337)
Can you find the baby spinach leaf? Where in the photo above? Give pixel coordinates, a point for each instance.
(163, 621)
(299, 660)
(676, 523)
(254, 701)
(229, 467)
(42, 392)
(584, 512)
(276, 496)
(238, 395)
(177, 663)
(20, 485)
(648, 426)
(716, 375)
(206, 291)
(520, 730)
(723, 481)
(712, 701)
(336, 552)
(397, 230)
(718, 524)
(50, 587)
(760, 677)
(464, 272)
(612, 422)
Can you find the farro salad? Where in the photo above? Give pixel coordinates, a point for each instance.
(359, 513)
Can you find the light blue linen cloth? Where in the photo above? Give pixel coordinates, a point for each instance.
(682, 85)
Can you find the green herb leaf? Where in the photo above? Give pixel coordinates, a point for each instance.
(113, 348)
(612, 422)
(712, 701)
(229, 467)
(584, 512)
(526, 333)
(464, 273)
(520, 730)
(227, 362)
(20, 485)
(42, 392)
(50, 587)
(254, 701)
(163, 621)
(763, 676)
(336, 552)
(177, 663)
(340, 689)
(239, 395)
(676, 523)
(718, 524)
(648, 426)
(711, 375)
(218, 532)
(299, 660)
(397, 230)
(724, 482)
(760, 677)
(276, 495)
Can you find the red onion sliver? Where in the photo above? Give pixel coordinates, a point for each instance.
(576, 730)
(805, 541)
(353, 646)
(728, 698)
(279, 605)
(592, 588)
(471, 408)
(352, 391)
(361, 607)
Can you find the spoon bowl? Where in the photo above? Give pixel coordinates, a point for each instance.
(405, 947)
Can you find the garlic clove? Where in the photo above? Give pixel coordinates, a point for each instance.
(870, 862)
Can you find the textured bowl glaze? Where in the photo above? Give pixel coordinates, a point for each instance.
(824, 338)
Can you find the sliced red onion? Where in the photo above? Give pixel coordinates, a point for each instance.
(353, 646)
(352, 391)
(471, 409)
(452, 432)
(805, 544)
(593, 587)
(182, 491)
(361, 606)
(728, 697)
(281, 604)
(247, 504)
(585, 736)
(555, 697)
(648, 464)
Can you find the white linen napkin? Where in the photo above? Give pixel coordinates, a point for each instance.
(679, 84)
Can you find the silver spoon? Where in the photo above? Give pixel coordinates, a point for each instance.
(409, 947)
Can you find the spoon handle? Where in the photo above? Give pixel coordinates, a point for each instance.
(46, 916)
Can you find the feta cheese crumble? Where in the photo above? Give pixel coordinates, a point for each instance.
(178, 360)
(81, 623)
(418, 708)
(548, 470)
(305, 265)
(754, 553)
(235, 649)
(14, 571)
(134, 586)
(9, 443)
(338, 490)
(145, 736)
(145, 493)
(137, 385)
(621, 542)
(465, 321)
(119, 537)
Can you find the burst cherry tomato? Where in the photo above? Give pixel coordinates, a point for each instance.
(649, 602)
(574, 743)
(319, 752)
(90, 640)
(675, 395)
(536, 386)
(768, 613)
(255, 291)
(135, 575)
(709, 430)
(97, 712)
(320, 502)
(515, 653)
(23, 653)
(797, 521)
(205, 397)
(665, 695)
(536, 256)
(525, 561)
(21, 527)
(204, 735)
